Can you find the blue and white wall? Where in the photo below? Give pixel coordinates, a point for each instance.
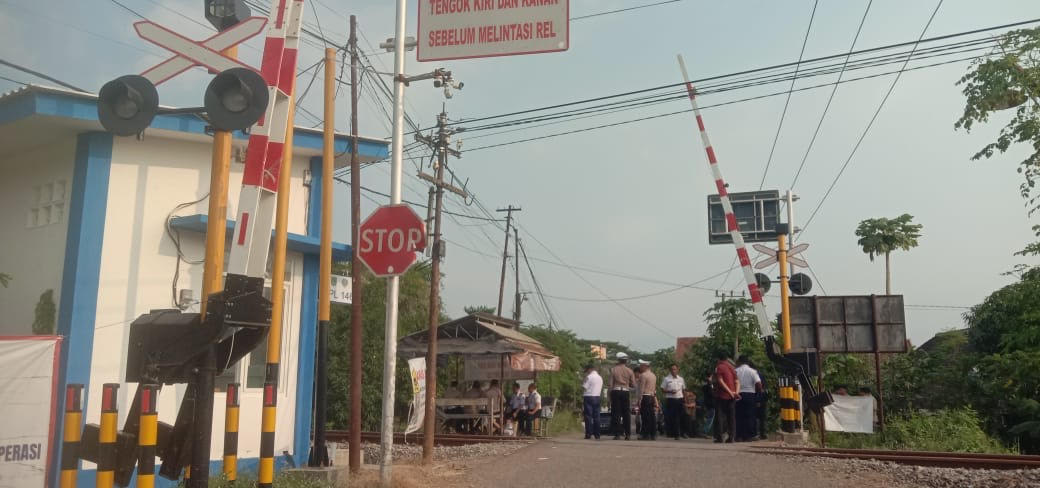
(103, 247)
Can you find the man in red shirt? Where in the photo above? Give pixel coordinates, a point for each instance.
(726, 396)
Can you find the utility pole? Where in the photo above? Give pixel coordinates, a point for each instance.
(319, 455)
(517, 298)
(355, 269)
(441, 146)
(505, 254)
(736, 336)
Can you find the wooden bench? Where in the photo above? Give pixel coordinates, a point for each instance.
(481, 413)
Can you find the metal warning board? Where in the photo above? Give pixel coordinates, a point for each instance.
(848, 324)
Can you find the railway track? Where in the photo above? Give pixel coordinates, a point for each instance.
(417, 438)
(916, 458)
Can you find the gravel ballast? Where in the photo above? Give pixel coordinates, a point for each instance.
(931, 477)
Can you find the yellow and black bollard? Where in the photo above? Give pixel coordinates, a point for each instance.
(72, 434)
(146, 436)
(788, 408)
(265, 476)
(231, 433)
(106, 464)
(796, 409)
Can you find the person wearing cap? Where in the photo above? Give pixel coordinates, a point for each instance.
(593, 386)
(621, 381)
(647, 403)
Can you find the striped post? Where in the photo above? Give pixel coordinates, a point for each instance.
(73, 431)
(231, 433)
(796, 399)
(788, 406)
(146, 436)
(765, 329)
(265, 476)
(106, 464)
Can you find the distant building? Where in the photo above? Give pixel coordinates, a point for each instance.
(683, 344)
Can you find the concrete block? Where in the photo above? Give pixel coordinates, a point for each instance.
(327, 476)
(794, 439)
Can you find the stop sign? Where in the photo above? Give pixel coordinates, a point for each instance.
(389, 239)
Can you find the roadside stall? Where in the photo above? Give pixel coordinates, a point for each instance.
(490, 348)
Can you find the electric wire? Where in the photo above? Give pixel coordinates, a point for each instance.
(731, 102)
(787, 101)
(608, 12)
(830, 98)
(866, 130)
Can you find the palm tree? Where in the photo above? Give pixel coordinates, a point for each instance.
(882, 236)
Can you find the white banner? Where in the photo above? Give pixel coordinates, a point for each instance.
(417, 368)
(456, 29)
(28, 399)
(850, 414)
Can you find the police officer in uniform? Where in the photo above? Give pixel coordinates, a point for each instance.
(621, 381)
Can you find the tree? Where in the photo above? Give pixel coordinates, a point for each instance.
(45, 313)
(732, 322)
(1008, 80)
(882, 236)
(479, 309)
(1005, 332)
(564, 384)
(413, 316)
(5, 279)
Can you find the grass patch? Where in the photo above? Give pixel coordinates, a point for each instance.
(564, 422)
(946, 430)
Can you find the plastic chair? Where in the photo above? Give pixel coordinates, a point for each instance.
(549, 405)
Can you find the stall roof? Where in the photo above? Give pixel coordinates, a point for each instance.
(472, 335)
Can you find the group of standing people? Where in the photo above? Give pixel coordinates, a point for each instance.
(735, 395)
(739, 400)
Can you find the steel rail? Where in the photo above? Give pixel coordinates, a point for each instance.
(417, 438)
(916, 458)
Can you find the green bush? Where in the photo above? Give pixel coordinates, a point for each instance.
(946, 430)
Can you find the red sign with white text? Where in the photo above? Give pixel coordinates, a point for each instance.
(458, 29)
(389, 239)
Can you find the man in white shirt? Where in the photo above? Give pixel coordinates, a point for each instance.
(750, 384)
(593, 386)
(673, 386)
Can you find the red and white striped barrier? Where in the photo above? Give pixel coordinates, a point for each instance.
(731, 220)
(256, 205)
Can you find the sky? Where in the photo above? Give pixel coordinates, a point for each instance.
(630, 200)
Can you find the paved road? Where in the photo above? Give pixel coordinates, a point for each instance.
(571, 461)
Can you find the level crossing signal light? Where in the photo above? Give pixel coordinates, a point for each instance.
(126, 105)
(763, 281)
(235, 99)
(799, 283)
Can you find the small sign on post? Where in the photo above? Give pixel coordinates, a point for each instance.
(342, 289)
(459, 29)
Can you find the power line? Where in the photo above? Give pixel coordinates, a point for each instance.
(649, 295)
(748, 99)
(830, 98)
(751, 71)
(790, 90)
(40, 75)
(867, 129)
(421, 205)
(598, 289)
(665, 97)
(608, 12)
